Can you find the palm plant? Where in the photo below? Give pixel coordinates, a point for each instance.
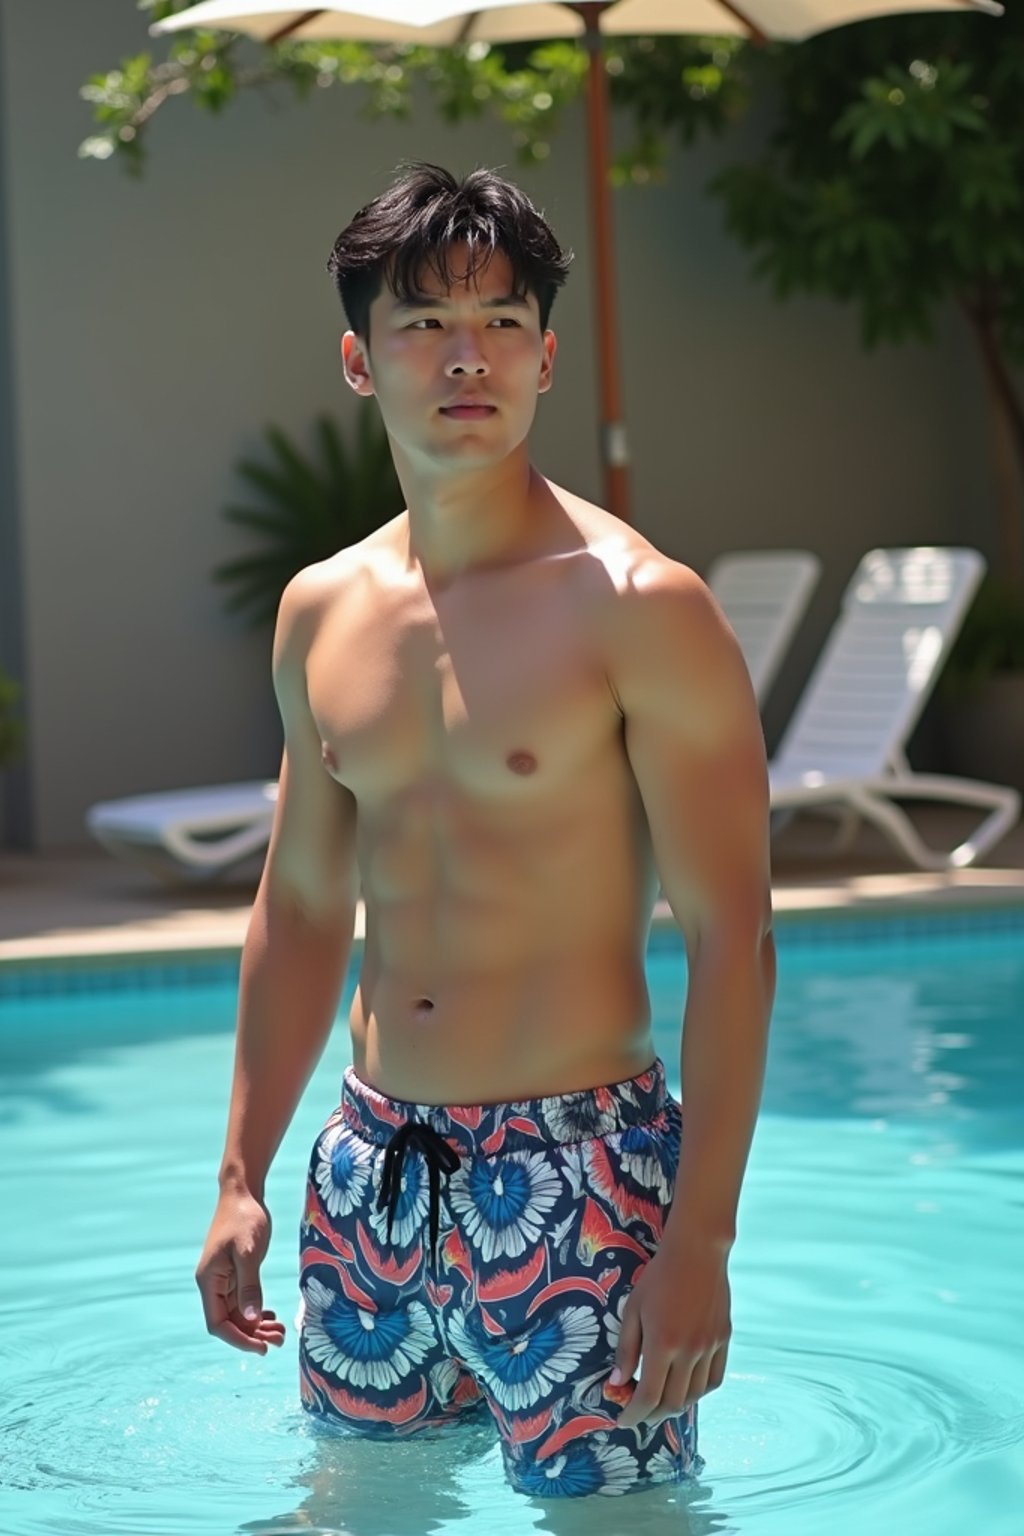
(311, 509)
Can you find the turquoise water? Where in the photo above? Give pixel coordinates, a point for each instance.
(876, 1372)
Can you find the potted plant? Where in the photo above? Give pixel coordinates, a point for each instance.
(310, 509)
(981, 694)
(11, 728)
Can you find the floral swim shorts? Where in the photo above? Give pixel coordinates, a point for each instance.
(458, 1260)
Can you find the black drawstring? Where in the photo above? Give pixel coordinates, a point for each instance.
(439, 1157)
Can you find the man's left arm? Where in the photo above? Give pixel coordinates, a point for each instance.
(694, 740)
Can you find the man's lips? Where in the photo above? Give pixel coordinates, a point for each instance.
(468, 410)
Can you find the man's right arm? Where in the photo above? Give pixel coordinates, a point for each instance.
(300, 933)
(293, 963)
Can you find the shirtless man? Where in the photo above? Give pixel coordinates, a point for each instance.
(507, 719)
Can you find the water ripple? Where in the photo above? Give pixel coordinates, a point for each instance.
(811, 1423)
(795, 1426)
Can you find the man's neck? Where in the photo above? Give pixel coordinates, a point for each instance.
(471, 521)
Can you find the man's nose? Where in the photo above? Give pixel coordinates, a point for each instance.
(466, 357)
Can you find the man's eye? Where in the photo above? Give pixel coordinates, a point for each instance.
(428, 321)
(507, 320)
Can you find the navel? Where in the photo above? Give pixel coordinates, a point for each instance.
(423, 1006)
(522, 762)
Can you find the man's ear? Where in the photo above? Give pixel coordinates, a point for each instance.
(355, 359)
(547, 366)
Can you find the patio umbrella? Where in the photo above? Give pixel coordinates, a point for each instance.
(445, 23)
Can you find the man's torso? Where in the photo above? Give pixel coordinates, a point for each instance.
(503, 851)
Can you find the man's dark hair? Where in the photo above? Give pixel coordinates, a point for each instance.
(410, 229)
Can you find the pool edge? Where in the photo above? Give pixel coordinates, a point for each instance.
(106, 952)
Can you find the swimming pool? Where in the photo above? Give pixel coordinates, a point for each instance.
(877, 1368)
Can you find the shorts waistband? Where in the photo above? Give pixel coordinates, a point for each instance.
(489, 1129)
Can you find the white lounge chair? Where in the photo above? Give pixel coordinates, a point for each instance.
(764, 594)
(199, 834)
(843, 749)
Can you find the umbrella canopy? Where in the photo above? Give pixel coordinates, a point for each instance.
(442, 23)
(446, 23)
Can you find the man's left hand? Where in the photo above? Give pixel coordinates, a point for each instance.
(677, 1316)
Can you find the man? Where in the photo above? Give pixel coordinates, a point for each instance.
(507, 718)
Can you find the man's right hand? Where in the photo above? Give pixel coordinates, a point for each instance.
(228, 1274)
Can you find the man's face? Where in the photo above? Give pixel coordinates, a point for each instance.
(473, 342)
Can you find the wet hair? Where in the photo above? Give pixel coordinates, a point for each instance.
(410, 229)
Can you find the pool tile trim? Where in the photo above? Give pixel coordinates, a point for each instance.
(65, 975)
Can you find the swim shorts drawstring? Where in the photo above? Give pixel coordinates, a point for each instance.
(439, 1157)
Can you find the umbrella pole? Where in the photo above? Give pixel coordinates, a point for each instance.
(614, 448)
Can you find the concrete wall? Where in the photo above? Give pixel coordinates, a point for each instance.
(15, 786)
(157, 326)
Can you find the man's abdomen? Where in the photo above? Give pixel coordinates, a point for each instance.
(472, 1038)
(504, 949)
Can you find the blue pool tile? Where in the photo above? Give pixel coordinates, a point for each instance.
(64, 978)
(20, 979)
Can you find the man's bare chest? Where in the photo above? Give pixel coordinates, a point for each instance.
(498, 694)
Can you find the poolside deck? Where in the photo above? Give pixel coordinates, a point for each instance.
(87, 904)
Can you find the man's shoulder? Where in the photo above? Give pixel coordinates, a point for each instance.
(657, 619)
(638, 574)
(324, 581)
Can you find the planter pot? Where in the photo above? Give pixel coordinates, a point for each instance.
(983, 730)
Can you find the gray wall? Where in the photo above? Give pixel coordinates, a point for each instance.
(158, 326)
(15, 785)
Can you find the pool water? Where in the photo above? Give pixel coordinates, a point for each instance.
(876, 1373)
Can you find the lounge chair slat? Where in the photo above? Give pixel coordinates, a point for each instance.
(764, 595)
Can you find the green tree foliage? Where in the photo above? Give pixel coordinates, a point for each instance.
(671, 85)
(895, 176)
(894, 181)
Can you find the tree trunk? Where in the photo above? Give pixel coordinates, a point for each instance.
(1008, 436)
